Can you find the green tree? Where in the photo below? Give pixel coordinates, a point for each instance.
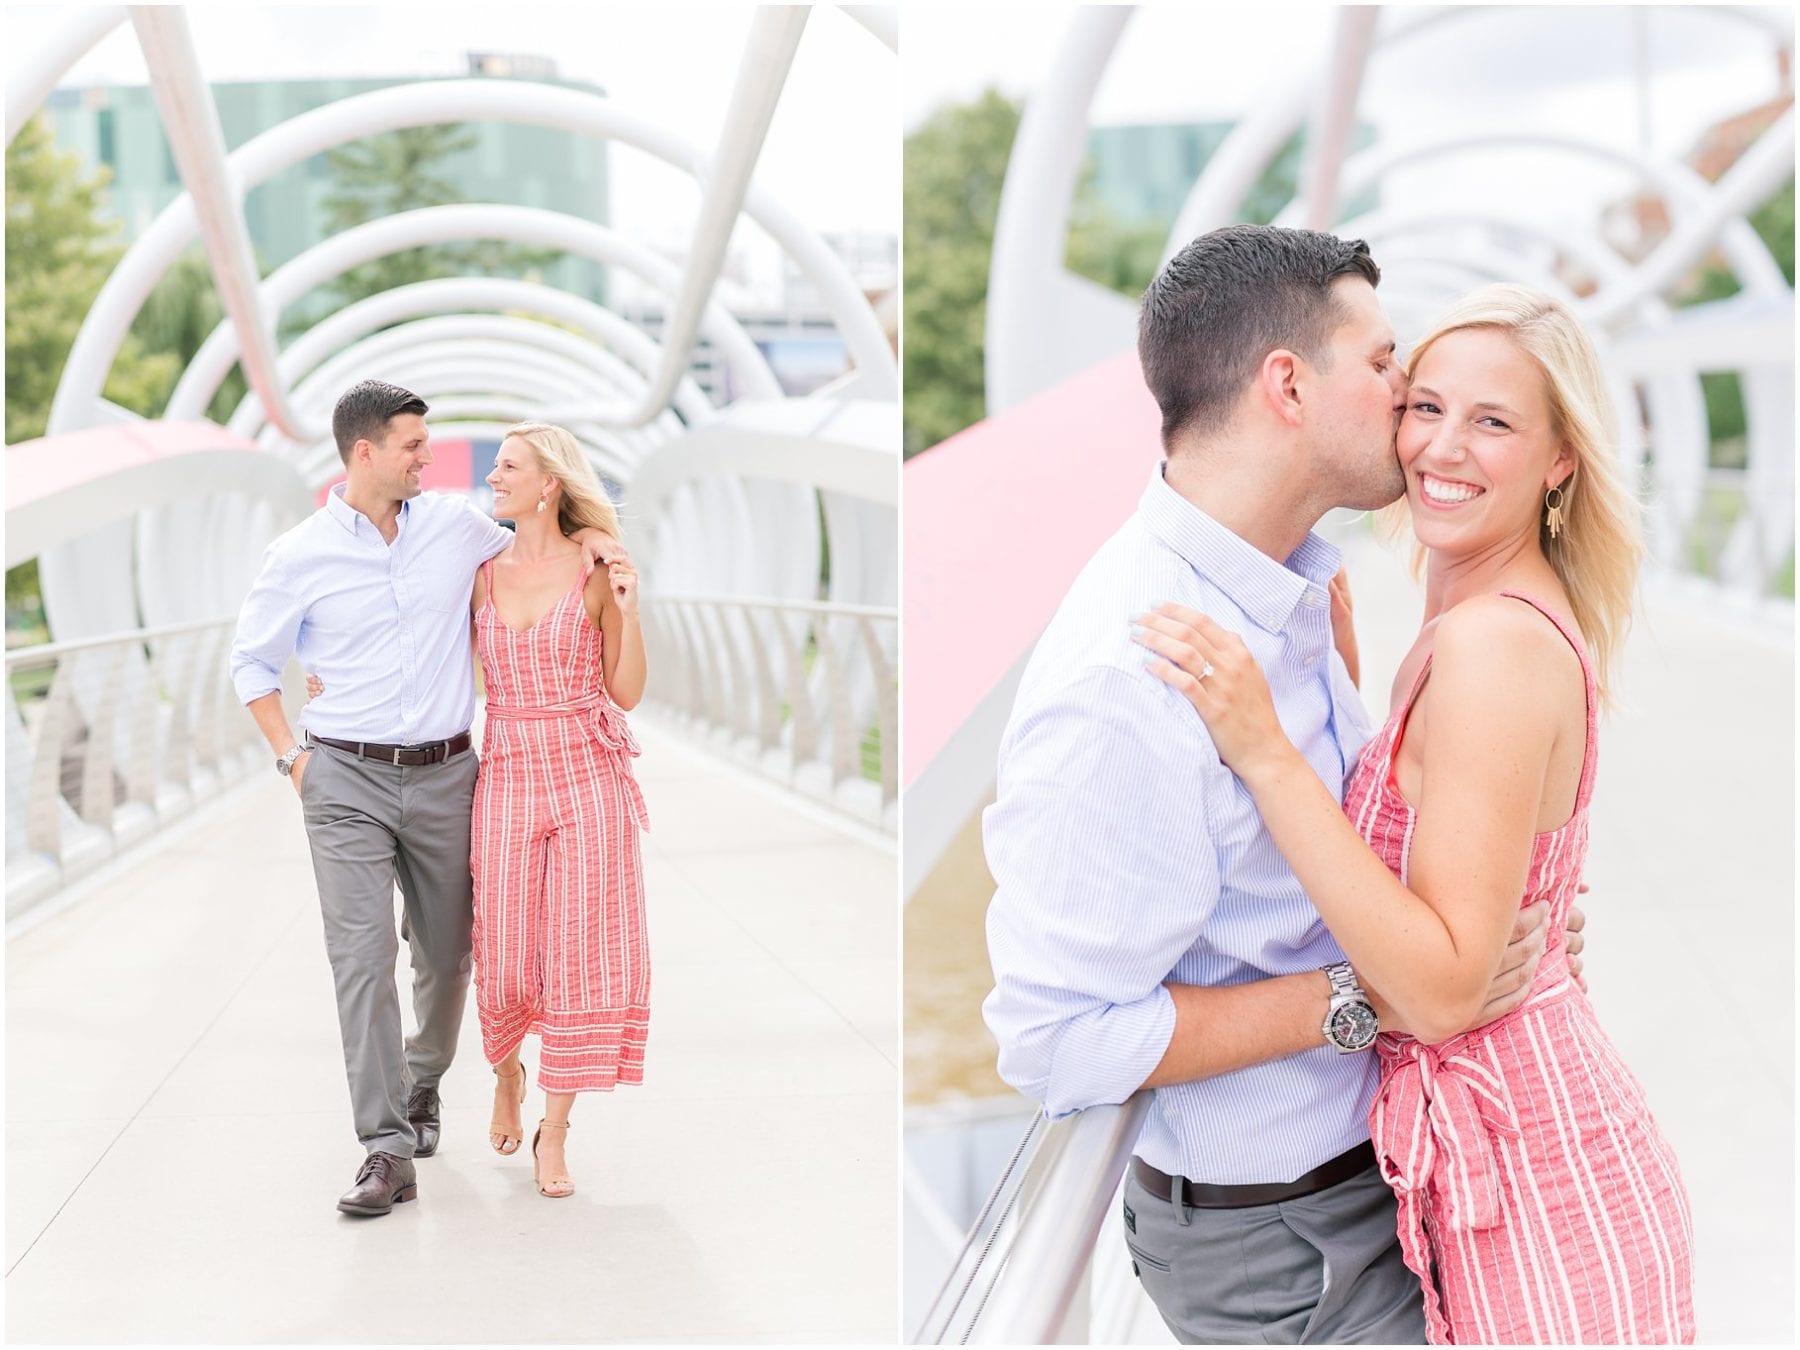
(178, 316)
(402, 171)
(955, 163)
(59, 251)
(1773, 222)
(954, 166)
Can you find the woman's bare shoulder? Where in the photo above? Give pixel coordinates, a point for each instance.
(1502, 649)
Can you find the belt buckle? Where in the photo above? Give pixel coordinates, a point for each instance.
(397, 750)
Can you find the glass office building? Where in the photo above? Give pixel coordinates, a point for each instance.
(118, 126)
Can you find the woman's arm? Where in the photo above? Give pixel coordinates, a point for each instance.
(1343, 626)
(611, 599)
(1434, 949)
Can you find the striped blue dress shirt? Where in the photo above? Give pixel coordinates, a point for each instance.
(384, 626)
(1125, 854)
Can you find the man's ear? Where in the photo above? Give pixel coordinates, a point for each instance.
(364, 449)
(1278, 381)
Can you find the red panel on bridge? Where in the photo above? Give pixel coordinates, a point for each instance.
(53, 464)
(998, 520)
(448, 471)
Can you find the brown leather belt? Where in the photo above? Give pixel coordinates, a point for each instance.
(1198, 1196)
(406, 756)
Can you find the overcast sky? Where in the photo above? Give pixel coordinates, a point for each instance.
(832, 154)
(1555, 68)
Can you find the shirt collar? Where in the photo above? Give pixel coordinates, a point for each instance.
(1267, 591)
(348, 516)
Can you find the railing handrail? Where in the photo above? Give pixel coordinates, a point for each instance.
(20, 657)
(1019, 1289)
(789, 606)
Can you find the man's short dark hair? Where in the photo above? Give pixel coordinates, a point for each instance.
(365, 409)
(1225, 302)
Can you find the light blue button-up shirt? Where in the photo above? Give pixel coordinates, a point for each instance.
(384, 626)
(1126, 854)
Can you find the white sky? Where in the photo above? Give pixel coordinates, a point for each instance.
(832, 156)
(1553, 68)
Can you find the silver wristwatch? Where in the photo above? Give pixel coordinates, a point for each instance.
(1350, 1022)
(285, 765)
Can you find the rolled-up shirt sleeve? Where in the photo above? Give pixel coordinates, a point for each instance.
(484, 535)
(267, 631)
(1106, 872)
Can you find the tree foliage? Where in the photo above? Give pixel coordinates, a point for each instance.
(403, 171)
(955, 163)
(1773, 222)
(954, 166)
(59, 251)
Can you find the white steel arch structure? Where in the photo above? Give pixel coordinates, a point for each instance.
(1045, 325)
(740, 520)
(1053, 337)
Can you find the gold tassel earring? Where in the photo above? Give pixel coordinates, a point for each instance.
(1553, 516)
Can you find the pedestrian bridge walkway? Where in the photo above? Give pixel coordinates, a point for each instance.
(178, 1126)
(1689, 960)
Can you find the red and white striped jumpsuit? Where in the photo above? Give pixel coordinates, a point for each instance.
(559, 880)
(1539, 1203)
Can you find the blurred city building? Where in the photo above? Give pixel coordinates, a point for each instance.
(117, 126)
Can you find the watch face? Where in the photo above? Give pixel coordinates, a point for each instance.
(1352, 1026)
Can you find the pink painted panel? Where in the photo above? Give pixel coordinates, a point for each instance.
(52, 464)
(448, 471)
(997, 521)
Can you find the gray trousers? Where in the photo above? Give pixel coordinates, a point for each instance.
(371, 825)
(1324, 1269)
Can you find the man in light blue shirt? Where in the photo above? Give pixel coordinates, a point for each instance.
(372, 593)
(1145, 931)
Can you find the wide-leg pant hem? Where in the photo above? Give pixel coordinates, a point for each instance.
(583, 1050)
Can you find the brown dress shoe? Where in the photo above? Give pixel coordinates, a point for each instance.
(383, 1182)
(422, 1110)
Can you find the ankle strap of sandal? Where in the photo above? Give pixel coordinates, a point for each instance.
(553, 1124)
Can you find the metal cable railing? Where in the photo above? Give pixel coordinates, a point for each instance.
(109, 737)
(1021, 1269)
(804, 691)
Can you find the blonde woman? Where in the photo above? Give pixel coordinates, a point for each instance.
(1538, 1201)
(559, 892)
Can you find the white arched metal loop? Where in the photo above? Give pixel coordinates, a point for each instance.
(520, 339)
(472, 367)
(30, 80)
(1680, 187)
(1424, 226)
(453, 397)
(881, 20)
(488, 363)
(398, 353)
(1044, 324)
(109, 319)
(470, 296)
(455, 224)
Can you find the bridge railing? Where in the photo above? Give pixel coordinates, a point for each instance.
(805, 692)
(1025, 1275)
(107, 739)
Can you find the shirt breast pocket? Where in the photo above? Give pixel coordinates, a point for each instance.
(441, 589)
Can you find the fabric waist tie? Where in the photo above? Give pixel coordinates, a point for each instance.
(605, 723)
(1436, 1126)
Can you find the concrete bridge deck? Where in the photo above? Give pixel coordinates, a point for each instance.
(1690, 955)
(178, 1125)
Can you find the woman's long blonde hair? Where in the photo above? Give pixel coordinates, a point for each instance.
(1597, 553)
(583, 503)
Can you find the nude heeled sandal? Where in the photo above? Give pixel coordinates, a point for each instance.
(508, 1143)
(556, 1190)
